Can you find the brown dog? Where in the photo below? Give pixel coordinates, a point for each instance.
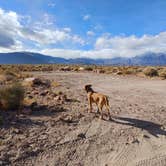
(99, 99)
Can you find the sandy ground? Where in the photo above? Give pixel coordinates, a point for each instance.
(135, 137)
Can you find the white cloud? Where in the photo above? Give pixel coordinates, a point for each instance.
(67, 29)
(45, 36)
(52, 4)
(98, 27)
(78, 39)
(107, 46)
(16, 35)
(12, 32)
(46, 20)
(129, 46)
(48, 36)
(67, 53)
(90, 33)
(64, 53)
(86, 17)
(9, 26)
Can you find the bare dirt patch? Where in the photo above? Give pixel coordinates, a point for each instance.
(66, 134)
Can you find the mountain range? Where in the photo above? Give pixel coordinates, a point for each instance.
(153, 59)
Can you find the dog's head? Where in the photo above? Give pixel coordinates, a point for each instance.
(88, 88)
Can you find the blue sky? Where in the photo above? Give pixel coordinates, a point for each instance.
(83, 28)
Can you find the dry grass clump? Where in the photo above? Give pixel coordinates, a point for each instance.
(121, 70)
(88, 68)
(11, 73)
(150, 71)
(129, 70)
(55, 84)
(11, 96)
(101, 71)
(162, 73)
(8, 75)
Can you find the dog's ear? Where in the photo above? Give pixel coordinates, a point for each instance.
(87, 87)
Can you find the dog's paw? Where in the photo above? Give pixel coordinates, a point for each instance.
(110, 118)
(101, 117)
(89, 111)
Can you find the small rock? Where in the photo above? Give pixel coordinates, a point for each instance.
(16, 131)
(68, 119)
(27, 111)
(122, 131)
(145, 136)
(35, 92)
(81, 135)
(44, 93)
(57, 98)
(41, 82)
(30, 97)
(163, 128)
(135, 140)
(43, 137)
(52, 123)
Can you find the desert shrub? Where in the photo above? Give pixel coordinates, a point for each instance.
(150, 71)
(102, 71)
(10, 75)
(44, 68)
(139, 70)
(54, 84)
(162, 73)
(115, 70)
(119, 72)
(66, 68)
(130, 70)
(41, 82)
(9, 72)
(88, 68)
(11, 96)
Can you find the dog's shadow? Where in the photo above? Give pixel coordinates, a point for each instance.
(153, 128)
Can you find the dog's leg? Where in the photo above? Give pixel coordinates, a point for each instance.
(97, 109)
(90, 104)
(100, 109)
(108, 111)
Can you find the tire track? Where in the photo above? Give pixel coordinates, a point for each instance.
(125, 155)
(159, 160)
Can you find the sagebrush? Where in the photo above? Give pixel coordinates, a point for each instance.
(11, 96)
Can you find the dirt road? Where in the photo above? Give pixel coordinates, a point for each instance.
(135, 137)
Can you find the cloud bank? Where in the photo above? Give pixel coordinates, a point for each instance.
(18, 34)
(107, 46)
(13, 32)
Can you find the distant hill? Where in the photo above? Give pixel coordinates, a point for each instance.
(36, 58)
(28, 58)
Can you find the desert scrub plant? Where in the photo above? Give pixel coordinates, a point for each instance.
(130, 70)
(11, 96)
(150, 71)
(11, 75)
(88, 68)
(162, 73)
(55, 84)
